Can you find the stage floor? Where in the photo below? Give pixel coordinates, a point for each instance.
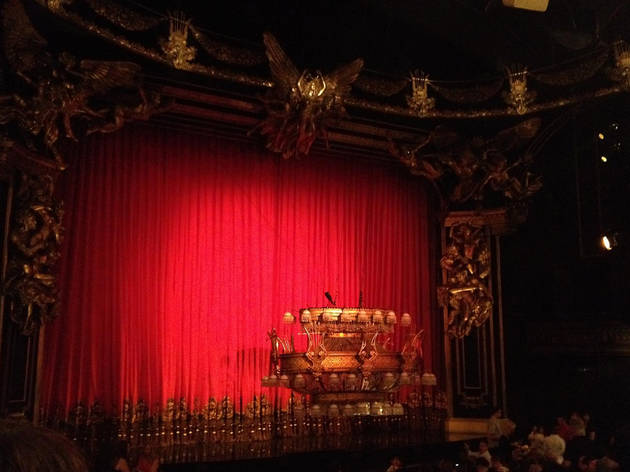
(319, 454)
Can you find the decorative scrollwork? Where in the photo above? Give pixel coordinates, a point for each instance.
(31, 284)
(412, 351)
(381, 87)
(466, 91)
(466, 294)
(226, 53)
(621, 72)
(124, 17)
(467, 169)
(573, 73)
(302, 106)
(56, 92)
(276, 343)
(469, 93)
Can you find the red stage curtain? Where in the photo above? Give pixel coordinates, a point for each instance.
(182, 251)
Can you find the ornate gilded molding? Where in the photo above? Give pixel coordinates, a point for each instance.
(574, 72)
(30, 286)
(302, 106)
(621, 71)
(59, 96)
(466, 294)
(579, 70)
(472, 169)
(225, 53)
(120, 16)
(222, 428)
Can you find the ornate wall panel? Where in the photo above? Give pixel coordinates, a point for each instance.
(471, 301)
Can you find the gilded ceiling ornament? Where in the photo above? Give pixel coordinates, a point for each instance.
(176, 47)
(470, 93)
(301, 106)
(621, 71)
(56, 5)
(123, 16)
(56, 92)
(472, 169)
(519, 98)
(466, 266)
(478, 91)
(573, 73)
(419, 100)
(380, 86)
(31, 285)
(224, 52)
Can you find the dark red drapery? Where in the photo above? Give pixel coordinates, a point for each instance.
(182, 251)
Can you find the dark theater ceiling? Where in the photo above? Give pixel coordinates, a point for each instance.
(449, 39)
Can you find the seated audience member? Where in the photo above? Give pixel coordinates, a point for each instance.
(27, 448)
(499, 430)
(483, 451)
(536, 432)
(494, 429)
(536, 442)
(577, 424)
(554, 447)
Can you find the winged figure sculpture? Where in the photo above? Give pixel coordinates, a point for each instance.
(60, 92)
(302, 105)
(465, 169)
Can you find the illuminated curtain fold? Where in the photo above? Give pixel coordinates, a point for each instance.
(182, 251)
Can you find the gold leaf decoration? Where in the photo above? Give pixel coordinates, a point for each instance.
(300, 107)
(572, 74)
(380, 86)
(35, 239)
(122, 16)
(475, 93)
(225, 53)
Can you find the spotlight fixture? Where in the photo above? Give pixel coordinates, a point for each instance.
(609, 241)
(606, 243)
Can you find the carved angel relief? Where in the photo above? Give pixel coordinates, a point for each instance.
(302, 106)
(31, 284)
(57, 95)
(466, 266)
(464, 169)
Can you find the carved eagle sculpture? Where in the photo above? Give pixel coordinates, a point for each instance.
(301, 106)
